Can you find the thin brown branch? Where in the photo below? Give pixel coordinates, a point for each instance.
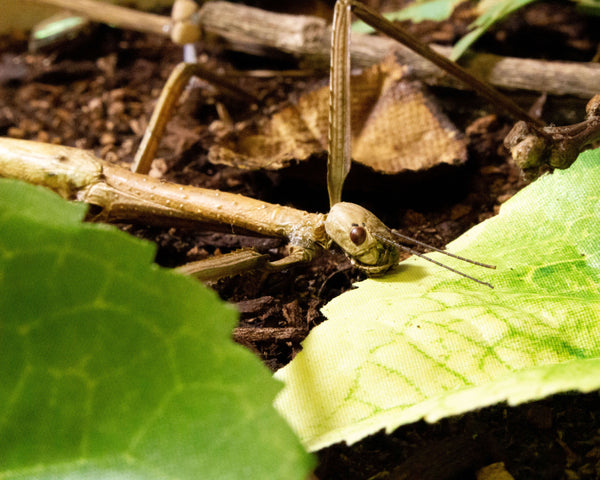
(253, 334)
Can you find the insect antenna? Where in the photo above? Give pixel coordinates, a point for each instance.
(412, 251)
(431, 247)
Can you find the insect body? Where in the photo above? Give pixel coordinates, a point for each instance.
(122, 195)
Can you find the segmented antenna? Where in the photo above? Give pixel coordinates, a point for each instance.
(431, 247)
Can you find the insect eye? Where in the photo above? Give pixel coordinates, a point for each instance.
(358, 235)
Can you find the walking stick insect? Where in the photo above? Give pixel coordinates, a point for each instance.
(122, 195)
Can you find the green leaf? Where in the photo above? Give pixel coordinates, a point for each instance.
(426, 343)
(436, 10)
(589, 7)
(112, 367)
(491, 12)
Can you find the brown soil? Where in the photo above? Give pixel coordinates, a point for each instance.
(99, 95)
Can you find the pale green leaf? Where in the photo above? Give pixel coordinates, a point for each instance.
(112, 367)
(425, 343)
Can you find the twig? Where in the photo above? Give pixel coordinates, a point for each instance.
(114, 15)
(252, 334)
(306, 38)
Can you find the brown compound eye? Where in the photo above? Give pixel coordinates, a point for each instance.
(358, 235)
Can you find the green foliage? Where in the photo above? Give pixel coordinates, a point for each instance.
(436, 10)
(426, 343)
(490, 12)
(493, 11)
(590, 7)
(112, 367)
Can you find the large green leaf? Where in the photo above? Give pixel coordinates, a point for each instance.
(112, 367)
(425, 343)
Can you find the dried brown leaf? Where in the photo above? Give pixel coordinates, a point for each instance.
(395, 127)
